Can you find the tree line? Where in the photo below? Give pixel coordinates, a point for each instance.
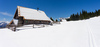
(81, 16)
(84, 15)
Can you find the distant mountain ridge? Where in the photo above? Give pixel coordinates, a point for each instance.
(3, 24)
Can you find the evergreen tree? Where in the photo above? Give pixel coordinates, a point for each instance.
(98, 12)
(77, 16)
(84, 15)
(92, 15)
(88, 16)
(81, 16)
(72, 17)
(56, 20)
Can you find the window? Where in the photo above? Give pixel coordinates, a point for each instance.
(26, 21)
(40, 21)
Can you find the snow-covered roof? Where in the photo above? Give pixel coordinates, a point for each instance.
(29, 13)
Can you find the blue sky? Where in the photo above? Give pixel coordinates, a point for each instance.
(53, 8)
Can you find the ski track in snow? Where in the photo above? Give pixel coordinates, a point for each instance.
(91, 36)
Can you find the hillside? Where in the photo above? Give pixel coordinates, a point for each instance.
(3, 24)
(85, 33)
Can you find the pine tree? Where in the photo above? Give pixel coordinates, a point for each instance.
(56, 20)
(77, 16)
(88, 16)
(92, 15)
(98, 12)
(84, 15)
(81, 16)
(71, 17)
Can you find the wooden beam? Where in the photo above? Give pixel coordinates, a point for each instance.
(11, 22)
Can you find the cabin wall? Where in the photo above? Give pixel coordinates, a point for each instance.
(20, 21)
(36, 22)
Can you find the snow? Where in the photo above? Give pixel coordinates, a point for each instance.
(29, 13)
(83, 33)
(5, 22)
(1, 24)
(15, 21)
(63, 20)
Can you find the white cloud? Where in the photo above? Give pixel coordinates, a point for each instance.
(4, 18)
(5, 13)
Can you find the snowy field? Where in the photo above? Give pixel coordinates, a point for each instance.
(85, 33)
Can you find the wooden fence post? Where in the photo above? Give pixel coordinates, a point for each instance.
(14, 28)
(33, 25)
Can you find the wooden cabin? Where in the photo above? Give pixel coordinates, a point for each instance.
(30, 16)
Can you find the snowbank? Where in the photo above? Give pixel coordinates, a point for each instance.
(85, 33)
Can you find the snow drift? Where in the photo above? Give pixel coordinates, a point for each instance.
(85, 33)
